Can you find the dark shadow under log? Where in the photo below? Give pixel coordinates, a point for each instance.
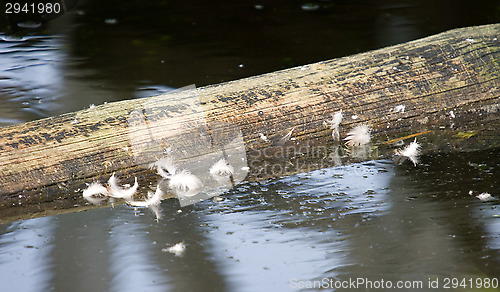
(443, 89)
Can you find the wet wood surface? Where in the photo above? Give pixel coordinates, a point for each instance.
(446, 86)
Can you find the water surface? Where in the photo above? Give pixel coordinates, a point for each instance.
(372, 220)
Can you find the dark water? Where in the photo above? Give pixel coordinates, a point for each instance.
(373, 221)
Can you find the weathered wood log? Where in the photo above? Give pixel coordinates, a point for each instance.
(447, 83)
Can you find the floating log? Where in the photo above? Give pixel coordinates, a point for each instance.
(445, 86)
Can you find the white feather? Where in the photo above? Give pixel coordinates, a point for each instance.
(153, 199)
(263, 137)
(165, 167)
(156, 209)
(285, 138)
(95, 188)
(185, 181)
(484, 197)
(177, 249)
(411, 151)
(358, 136)
(118, 192)
(221, 168)
(334, 124)
(398, 109)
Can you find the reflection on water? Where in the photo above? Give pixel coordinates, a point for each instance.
(26, 249)
(99, 52)
(372, 220)
(30, 77)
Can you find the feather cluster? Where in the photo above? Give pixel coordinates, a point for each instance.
(182, 182)
(334, 124)
(113, 190)
(411, 151)
(358, 136)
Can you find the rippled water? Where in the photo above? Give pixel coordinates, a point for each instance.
(372, 220)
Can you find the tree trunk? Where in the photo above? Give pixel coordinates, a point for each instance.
(443, 88)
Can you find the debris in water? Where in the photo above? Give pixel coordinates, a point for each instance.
(358, 136)
(411, 151)
(111, 21)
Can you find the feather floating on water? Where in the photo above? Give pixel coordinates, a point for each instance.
(153, 199)
(177, 249)
(484, 197)
(411, 151)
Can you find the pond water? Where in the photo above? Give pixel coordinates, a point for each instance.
(370, 221)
